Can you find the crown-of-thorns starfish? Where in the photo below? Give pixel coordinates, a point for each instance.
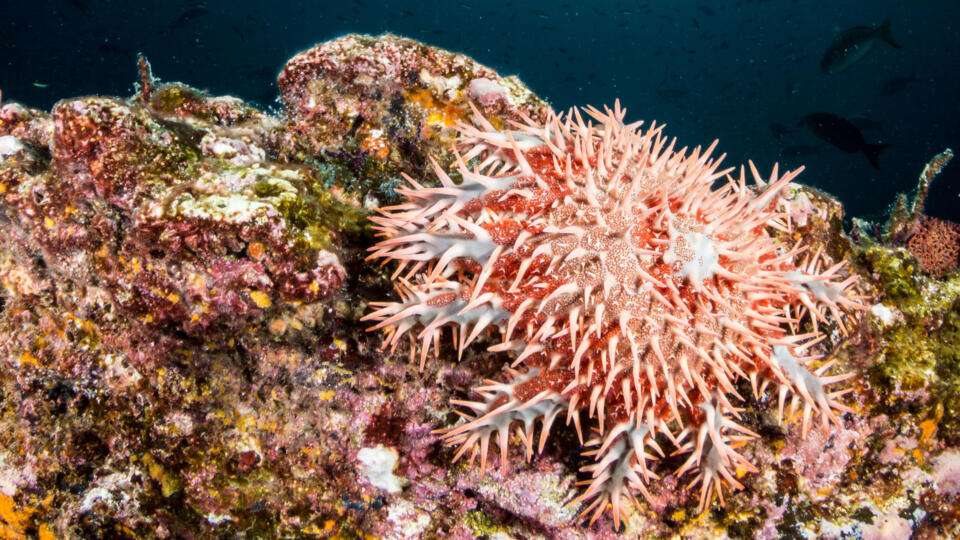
(628, 287)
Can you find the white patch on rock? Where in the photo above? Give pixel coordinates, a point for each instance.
(842, 527)
(446, 86)
(114, 491)
(486, 91)
(229, 208)
(10, 145)
(410, 522)
(95, 496)
(887, 527)
(235, 151)
(884, 314)
(946, 473)
(12, 478)
(118, 368)
(216, 519)
(378, 464)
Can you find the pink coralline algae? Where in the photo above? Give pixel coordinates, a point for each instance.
(186, 224)
(395, 95)
(629, 289)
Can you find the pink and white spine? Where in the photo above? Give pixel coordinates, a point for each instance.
(639, 291)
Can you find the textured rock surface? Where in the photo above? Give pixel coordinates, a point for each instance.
(180, 351)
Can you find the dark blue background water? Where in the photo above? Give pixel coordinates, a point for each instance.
(724, 70)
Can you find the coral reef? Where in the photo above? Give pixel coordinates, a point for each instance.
(936, 245)
(181, 353)
(934, 242)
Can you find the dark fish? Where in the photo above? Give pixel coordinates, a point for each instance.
(896, 84)
(853, 44)
(707, 10)
(779, 130)
(843, 134)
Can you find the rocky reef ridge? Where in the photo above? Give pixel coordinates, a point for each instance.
(181, 351)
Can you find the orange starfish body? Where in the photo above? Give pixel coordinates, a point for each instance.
(630, 289)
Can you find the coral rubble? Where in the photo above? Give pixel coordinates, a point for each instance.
(182, 352)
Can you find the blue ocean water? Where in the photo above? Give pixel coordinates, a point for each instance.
(745, 72)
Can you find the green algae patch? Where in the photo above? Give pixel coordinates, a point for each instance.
(168, 481)
(320, 215)
(172, 97)
(180, 100)
(743, 522)
(921, 348)
(895, 273)
(909, 361)
(481, 524)
(947, 388)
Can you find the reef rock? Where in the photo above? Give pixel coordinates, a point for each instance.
(182, 352)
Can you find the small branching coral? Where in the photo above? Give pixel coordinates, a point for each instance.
(629, 288)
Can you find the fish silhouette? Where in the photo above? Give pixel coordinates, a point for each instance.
(853, 44)
(841, 133)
